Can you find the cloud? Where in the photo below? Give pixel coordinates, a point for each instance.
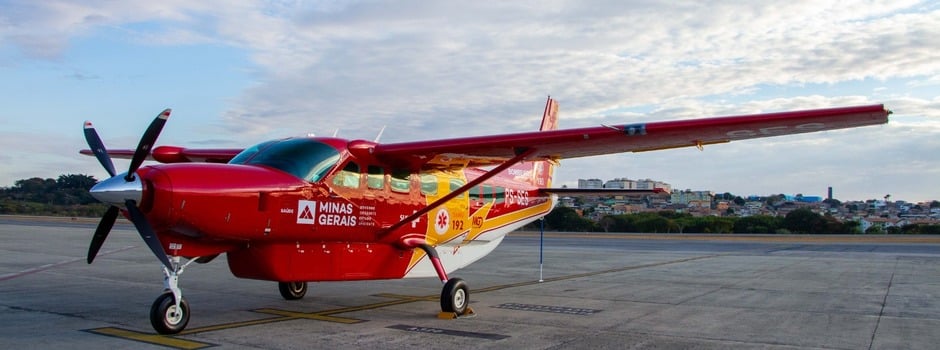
(45, 29)
(484, 64)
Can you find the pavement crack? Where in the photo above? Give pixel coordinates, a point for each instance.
(63, 314)
(884, 302)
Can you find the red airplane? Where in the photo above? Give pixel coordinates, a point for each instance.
(296, 210)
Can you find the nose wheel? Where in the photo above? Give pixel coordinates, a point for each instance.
(167, 316)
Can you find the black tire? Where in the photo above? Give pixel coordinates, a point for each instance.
(455, 297)
(292, 290)
(166, 317)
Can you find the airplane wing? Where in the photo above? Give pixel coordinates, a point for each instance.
(639, 137)
(173, 154)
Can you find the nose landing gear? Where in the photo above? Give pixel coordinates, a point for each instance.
(169, 314)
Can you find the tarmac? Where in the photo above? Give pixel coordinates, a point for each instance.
(598, 291)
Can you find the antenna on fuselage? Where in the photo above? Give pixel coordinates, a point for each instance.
(379, 136)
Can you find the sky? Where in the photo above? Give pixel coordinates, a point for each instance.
(239, 72)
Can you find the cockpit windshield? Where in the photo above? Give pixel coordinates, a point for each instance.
(304, 158)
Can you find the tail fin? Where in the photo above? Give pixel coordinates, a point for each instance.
(539, 173)
(550, 116)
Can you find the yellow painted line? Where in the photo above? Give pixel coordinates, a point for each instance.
(326, 315)
(150, 338)
(311, 316)
(408, 297)
(224, 326)
(366, 307)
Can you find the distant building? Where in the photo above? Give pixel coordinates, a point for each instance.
(790, 198)
(590, 183)
(624, 184)
(647, 184)
(687, 196)
(878, 221)
(808, 199)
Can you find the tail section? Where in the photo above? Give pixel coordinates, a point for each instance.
(550, 116)
(539, 173)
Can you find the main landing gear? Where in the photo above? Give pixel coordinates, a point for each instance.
(455, 296)
(292, 290)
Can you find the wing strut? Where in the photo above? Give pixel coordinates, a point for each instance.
(520, 156)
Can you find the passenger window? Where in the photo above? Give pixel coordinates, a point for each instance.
(348, 177)
(376, 177)
(428, 185)
(499, 193)
(456, 184)
(487, 189)
(401, 180)
(476, 194)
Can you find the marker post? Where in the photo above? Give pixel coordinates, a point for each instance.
(541, 247)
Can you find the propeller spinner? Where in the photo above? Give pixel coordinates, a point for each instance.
(125, 190)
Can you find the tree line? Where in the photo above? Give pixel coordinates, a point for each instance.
(799, 221)
(66, 196)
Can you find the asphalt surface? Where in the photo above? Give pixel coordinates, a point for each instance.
(599, 291)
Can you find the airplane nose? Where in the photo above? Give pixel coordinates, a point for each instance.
(117, 190)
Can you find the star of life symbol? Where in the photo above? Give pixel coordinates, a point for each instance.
(441, 221)
(306, 212)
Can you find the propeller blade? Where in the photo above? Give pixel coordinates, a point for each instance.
(146, 143)
(94, 142)
(146, 232)
(101, 233)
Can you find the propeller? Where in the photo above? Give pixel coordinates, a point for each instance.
(98, 148)
(101, 233)
(146, 143)
(125, 189)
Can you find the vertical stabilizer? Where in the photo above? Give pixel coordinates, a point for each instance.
(550, 116)
(539, 173)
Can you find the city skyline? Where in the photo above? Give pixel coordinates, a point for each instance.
(590, 183)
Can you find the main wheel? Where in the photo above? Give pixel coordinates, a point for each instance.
(292, 290)
(455, 297)
(167, 317)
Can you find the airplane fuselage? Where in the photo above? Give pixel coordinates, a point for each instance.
(277, 226)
